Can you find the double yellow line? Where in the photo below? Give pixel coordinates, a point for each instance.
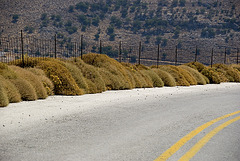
(188, 155)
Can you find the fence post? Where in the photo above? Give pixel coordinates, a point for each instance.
(139, 52)
(158, 55)
(120, 51)
(196, 54)
(212, 58)
(176, 56)
(81, 46)
(237, 54)
(23, 63)
(55, 46)
(225, 56)
(100, 50)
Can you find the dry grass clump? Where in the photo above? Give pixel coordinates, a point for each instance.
(156, 80)
(179, 78)
(212, 75)
(33, 79)
(3, 96)
(77, 75)
(47, 83)
(12, 92)
(188, 76)
(196, 65)
(112, 81)
(236, 67)
(139, 81)
(230, 73)
(113, 66)
(198, 76)
(6, 72)
(91, 73)
(64, 84)
(167, 78)
(25, 89)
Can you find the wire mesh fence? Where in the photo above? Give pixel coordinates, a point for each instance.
(20, 48)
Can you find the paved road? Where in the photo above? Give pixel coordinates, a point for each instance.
(133, 125)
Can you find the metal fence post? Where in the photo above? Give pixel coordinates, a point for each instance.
(176, 56)
(139, 52)
(225, 56)
(237, 54)
(81, 46)
(100, 49)
(23, 63)
(55, 46)
(196, 54)
(120, 51)
(158, 53)
(212, 58)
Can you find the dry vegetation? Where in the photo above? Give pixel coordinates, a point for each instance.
(97, 73)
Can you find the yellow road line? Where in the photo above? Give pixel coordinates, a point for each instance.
(188, 155)
(173, 149)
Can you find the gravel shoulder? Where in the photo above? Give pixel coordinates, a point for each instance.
(136, 124)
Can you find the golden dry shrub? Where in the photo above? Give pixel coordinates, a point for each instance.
(156, 80)
(138, 80)
(6, 72)
(198, 76)
(236, 67)
(212, 75)
(12, 92)
(113, 66)
(3, 95)
(47, 83)
(196, 65)
(91, 73)
(179, 78)
(188, 76)
(92, 88)
(64, 84)
(230, 73)
(112, 81)
(167, 78)
(148, 80)
(33, 79)
(77, 75)
(25, 88)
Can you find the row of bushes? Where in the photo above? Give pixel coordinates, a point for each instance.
(96, 73)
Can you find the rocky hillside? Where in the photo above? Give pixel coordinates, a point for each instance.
(185, 23)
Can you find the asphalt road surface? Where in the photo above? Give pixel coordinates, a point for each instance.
(199, 123)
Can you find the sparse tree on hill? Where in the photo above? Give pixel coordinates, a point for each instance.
(15, 18)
